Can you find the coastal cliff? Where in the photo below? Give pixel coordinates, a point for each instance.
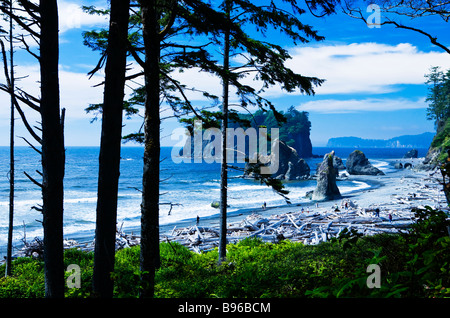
(294, 132)
(437, 152)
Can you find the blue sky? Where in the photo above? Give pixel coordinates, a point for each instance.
(374, 79)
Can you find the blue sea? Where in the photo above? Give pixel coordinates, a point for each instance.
(193, 186)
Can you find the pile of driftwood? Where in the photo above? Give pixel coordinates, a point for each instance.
(310, 226)
(303, 226)
(35, 248)
(430, 193)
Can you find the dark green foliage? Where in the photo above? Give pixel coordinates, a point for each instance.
(290, 123)
(26, 280)
(86, 263)
(441, 140)
(414, 264)
(438, 95)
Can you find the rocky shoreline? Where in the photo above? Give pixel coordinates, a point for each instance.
(385, 208)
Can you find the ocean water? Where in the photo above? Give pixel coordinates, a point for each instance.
(191, 187)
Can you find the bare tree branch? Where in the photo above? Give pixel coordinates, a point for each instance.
(33, 180)
(20, 21)
(433, 39)
(410, 8)
(31, 145)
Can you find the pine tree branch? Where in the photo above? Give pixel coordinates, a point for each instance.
(33, 180)
(31, 8)
(173, 15)
(31, 145)
(180, 89)
(27, 48)
(99, 65)
(135, 55)
(433, 39)
(20, 21)
(25, 122)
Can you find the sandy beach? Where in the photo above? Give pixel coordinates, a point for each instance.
(393, 194)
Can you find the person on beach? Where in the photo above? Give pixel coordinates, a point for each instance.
(264, 205)
(377, 212)
(198, 219)
(390, 217)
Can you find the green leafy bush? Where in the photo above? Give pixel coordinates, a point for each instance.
(26, 281)
(413, 264)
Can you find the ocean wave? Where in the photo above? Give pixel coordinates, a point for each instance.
(247, 187)
(359, 186)
(81, 200)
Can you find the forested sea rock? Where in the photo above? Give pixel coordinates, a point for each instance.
(295, 132)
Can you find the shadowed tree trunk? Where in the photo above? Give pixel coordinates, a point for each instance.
(109, 159)
(150, 182)
(223, 168)
(53, 156)
(11, 151)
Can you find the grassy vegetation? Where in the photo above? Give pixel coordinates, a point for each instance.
(416, 264)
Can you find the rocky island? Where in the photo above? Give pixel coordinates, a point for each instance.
(358, 164)
(326, 188)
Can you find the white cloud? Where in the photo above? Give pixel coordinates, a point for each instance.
(76, 91)
(71, 16)
(334, 106)
(371, 68)
(364, 67)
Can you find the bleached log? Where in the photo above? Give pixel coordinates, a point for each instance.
(292, 221)
(250, 225)
(199, 234)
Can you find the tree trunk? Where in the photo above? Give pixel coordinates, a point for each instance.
(149, 258)
(53, 156)
(223, 168)
(11, 152)
(109, 159)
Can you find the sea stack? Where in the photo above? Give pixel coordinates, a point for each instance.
(290, 165)
(326, 188)
(358, 164)
(413, 153)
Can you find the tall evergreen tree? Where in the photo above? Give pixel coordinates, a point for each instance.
(11, 83)
(438, 95)
(45, 16)
(266, 60)
(157, 49)
(150, 180)
(111, 137)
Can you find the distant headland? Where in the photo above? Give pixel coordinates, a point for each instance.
(407, 141)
